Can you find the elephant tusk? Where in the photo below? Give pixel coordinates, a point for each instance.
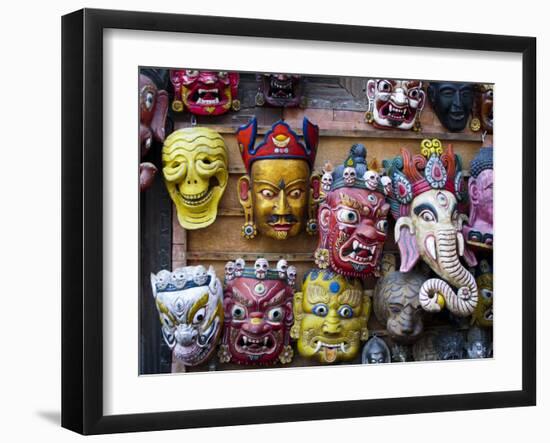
(430, 246)
(460, 241)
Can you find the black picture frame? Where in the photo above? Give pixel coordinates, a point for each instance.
(82, 218)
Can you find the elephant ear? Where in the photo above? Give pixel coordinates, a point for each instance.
(406, 241)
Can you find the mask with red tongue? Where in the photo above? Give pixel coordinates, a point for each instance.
(352, 219)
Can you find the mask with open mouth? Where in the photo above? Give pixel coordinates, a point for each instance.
(395, 104)
(452, 103)
(352, 219)
(280, 90)
(189, 303)
(279, 193)
(331, 313)
(483, 314)
(258, 308)
(483, 108)
(195, 172)
(204, 92)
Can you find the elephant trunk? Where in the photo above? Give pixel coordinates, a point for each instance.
(435, 293)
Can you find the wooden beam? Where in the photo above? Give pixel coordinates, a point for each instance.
(361, 133)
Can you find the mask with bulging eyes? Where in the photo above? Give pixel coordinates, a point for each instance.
(196, 174)
(204, 92)
(189, 303)
(352, 219)
(395, 104)
(331, 314)
(258, 312)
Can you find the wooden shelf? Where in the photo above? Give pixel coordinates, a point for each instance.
(360, 133)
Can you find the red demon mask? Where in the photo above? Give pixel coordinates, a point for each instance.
(258, 305)
(204, 92)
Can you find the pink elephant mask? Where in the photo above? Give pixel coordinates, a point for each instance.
(426, 190)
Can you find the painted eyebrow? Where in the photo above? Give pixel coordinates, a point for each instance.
(425, 206)
(276, 300)
(198, 304)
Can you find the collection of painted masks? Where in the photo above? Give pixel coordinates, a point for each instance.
(204, 92)
(258, 313)
(189, 303)
(278, 192)
(153, 108)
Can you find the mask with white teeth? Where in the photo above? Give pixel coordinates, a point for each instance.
(258, 306)
(331, 315)
(195, 169)
(352, 219)
(189, 304)
(395, 104)
(204, 92)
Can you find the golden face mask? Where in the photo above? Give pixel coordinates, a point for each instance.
(331, 315)
(278, 193)
(195, 172)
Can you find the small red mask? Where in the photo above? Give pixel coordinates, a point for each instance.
(204, 92)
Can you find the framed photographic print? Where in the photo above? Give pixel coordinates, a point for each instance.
(268, 226)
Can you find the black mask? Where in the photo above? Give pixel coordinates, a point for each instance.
(452, 102)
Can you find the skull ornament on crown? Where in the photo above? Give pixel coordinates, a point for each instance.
(426, 191)
(258, 309)
(331, 314)
(279, 192)
(195, 172)
(352, 219)
(479, 230)
(204, 92)
(280, 90)
(395, 103)
(189, 303)
(153, 108)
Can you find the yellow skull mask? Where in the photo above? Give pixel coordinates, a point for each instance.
(331, 315)
(195, 172)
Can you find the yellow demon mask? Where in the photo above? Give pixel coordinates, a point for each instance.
(331, 315)
(195, 171)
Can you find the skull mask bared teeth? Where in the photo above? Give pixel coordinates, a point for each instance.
(260, 267)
